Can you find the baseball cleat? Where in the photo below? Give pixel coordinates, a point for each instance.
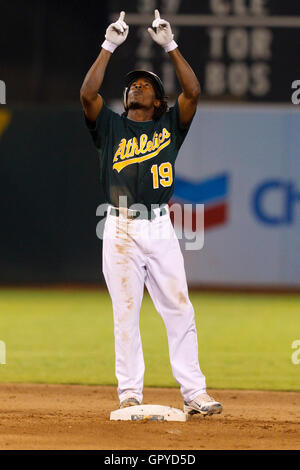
(131, 401)
(203, 404)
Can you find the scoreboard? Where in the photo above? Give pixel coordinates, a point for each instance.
(241, 50)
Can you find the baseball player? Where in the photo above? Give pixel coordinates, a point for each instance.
(137, 153)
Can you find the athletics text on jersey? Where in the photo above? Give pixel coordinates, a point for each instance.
(132, 151)
(137, 159)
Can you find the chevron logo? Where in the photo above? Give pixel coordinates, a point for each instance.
(212, 192)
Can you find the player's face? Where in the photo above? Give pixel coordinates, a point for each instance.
(142, 94)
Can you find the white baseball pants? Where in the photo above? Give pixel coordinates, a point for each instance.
(138, 252)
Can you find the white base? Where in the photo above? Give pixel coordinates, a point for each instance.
(148, 412)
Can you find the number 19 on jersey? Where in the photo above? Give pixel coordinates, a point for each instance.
(162, 175)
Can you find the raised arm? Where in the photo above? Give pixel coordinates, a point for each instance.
(188, 99)
(90, 99)
(190, 86)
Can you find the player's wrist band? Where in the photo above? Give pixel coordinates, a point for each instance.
(109, 46)
(170, 46)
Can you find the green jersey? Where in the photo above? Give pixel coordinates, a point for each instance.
(137, 159)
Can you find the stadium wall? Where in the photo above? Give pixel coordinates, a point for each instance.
(241, 162)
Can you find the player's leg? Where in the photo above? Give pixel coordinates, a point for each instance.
(124, 275)
(166, 283)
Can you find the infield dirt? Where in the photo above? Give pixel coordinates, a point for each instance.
(77, 417)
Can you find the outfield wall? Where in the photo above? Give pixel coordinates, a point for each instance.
(242, 163)
(49, 194)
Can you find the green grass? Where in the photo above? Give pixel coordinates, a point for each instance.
(56, 336)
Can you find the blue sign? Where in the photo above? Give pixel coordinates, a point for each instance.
(284, 215)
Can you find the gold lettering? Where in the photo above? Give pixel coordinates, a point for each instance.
(129, 143)
(134, 148)
(166, 134)
(120, 165)
(149, 146)
(143, 143)
(127, 149)
(155, 141)
(120, 151)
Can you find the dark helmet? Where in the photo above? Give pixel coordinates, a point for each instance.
(135, 74)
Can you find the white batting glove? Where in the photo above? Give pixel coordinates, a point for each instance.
(116, 34)
(163, 34)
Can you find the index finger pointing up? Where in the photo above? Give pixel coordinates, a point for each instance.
(156, 15)
(122, 16)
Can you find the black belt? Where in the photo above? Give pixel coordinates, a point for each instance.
(149, 214)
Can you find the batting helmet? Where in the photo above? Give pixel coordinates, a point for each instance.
(135, 74)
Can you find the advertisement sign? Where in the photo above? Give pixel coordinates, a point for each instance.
(243, 164)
